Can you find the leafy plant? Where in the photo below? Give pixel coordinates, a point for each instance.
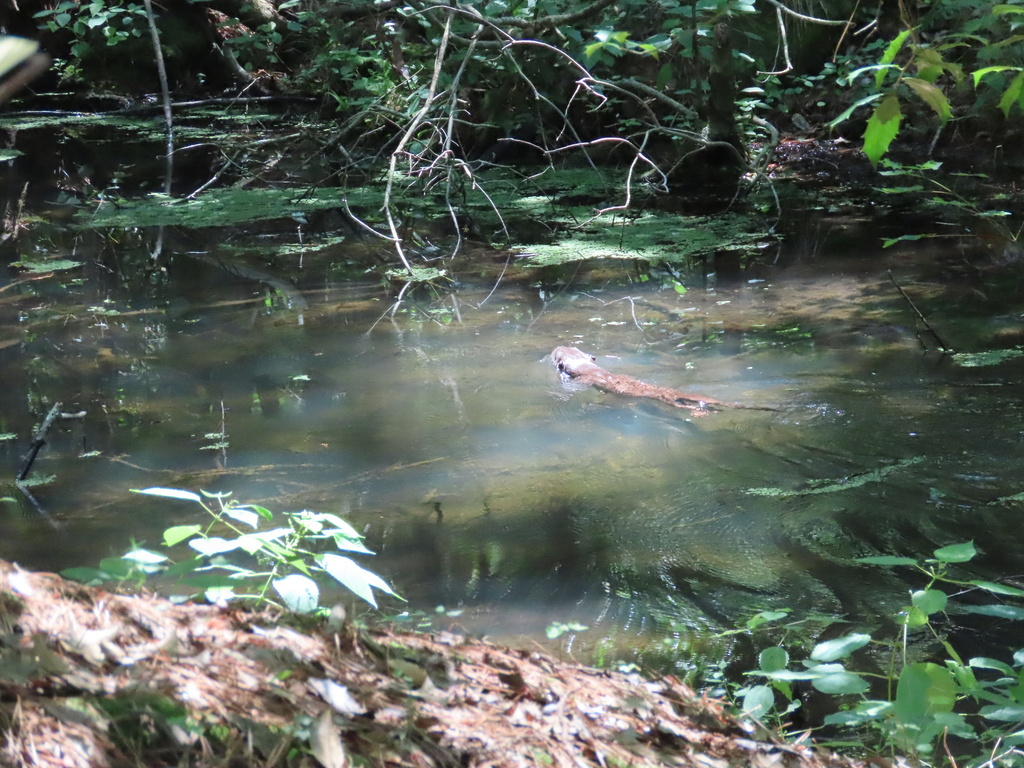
(92, 25)
(980, 699)
(911, 66)
(250, 564)
(942, 196)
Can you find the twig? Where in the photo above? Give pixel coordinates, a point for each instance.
(39, 509)
(165, 91)
(943, 346)
(813, 19)
(410, 131)
(38, 442)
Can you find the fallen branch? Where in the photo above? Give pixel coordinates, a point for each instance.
(943, 346)
(38, 442)
(40, 438)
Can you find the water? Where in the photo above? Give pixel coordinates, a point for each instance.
(482, 481)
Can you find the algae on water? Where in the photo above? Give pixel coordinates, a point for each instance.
(841, 484)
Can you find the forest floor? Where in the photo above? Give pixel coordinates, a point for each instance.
(93, 678)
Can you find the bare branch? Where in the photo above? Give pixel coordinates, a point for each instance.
(410, 131)
(784, 37)
(802, 17)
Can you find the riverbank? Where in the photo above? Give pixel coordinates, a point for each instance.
(93, 678)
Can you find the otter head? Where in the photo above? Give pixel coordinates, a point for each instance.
(566, 357)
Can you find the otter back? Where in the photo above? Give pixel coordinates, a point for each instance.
(580, 366)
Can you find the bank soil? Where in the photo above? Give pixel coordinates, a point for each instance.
(91, 678)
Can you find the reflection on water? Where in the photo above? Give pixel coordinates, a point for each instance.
(443, 431)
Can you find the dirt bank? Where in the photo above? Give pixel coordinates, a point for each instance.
(91, 678)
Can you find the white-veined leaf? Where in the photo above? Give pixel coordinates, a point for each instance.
(300, 593)
(169, 493)
(214, 545)
(353, 576)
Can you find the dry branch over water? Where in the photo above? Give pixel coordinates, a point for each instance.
(92, 678)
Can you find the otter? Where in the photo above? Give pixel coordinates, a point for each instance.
(581, 367)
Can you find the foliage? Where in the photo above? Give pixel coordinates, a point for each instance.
(841, 484)
(922, 702)
(92, 25)
(247, 565)
(928, 69)
(945, 198)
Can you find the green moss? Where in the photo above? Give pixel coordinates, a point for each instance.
(217, 208)
(842, 484)
(651, 237)
(49, 265)
(982, 359)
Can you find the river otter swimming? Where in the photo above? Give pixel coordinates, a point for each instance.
(581, 367)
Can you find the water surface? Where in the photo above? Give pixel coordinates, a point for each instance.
(483, 481)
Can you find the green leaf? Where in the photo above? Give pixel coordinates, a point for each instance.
(765, 617)
(243, 515)
(758, 701)
(876, 68)
(185, 566)
(956, 553)
(85, 575)
(1000, 611)
(1009, 713)
(341, 526)
(1002, 8)
(891, 241)
(855, 106)
(214, 545)
(144, 557)
(931, 96)
(840, 682)
(1012, 94)
(983, 662)
(263, 512)
(353, 576)
(914, 617)
(346, 544)
(839, 648)
(772, 659)
(791, 674)
(665, 75)
(887, 560)
(117, 567)
(254, 542)
(979, 74)
(883, 125)
(998, 589)
(929, 600)
(206, 580)
(923, 690)
(178, 533)
(890, 53)
(170, 493)
(300, 593)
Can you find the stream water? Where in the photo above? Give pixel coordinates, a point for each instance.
(486, 484)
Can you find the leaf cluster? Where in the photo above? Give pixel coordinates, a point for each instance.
(250, 562)
(927, 70)
(912, 705)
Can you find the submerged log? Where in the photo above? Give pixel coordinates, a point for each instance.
(91, 678)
